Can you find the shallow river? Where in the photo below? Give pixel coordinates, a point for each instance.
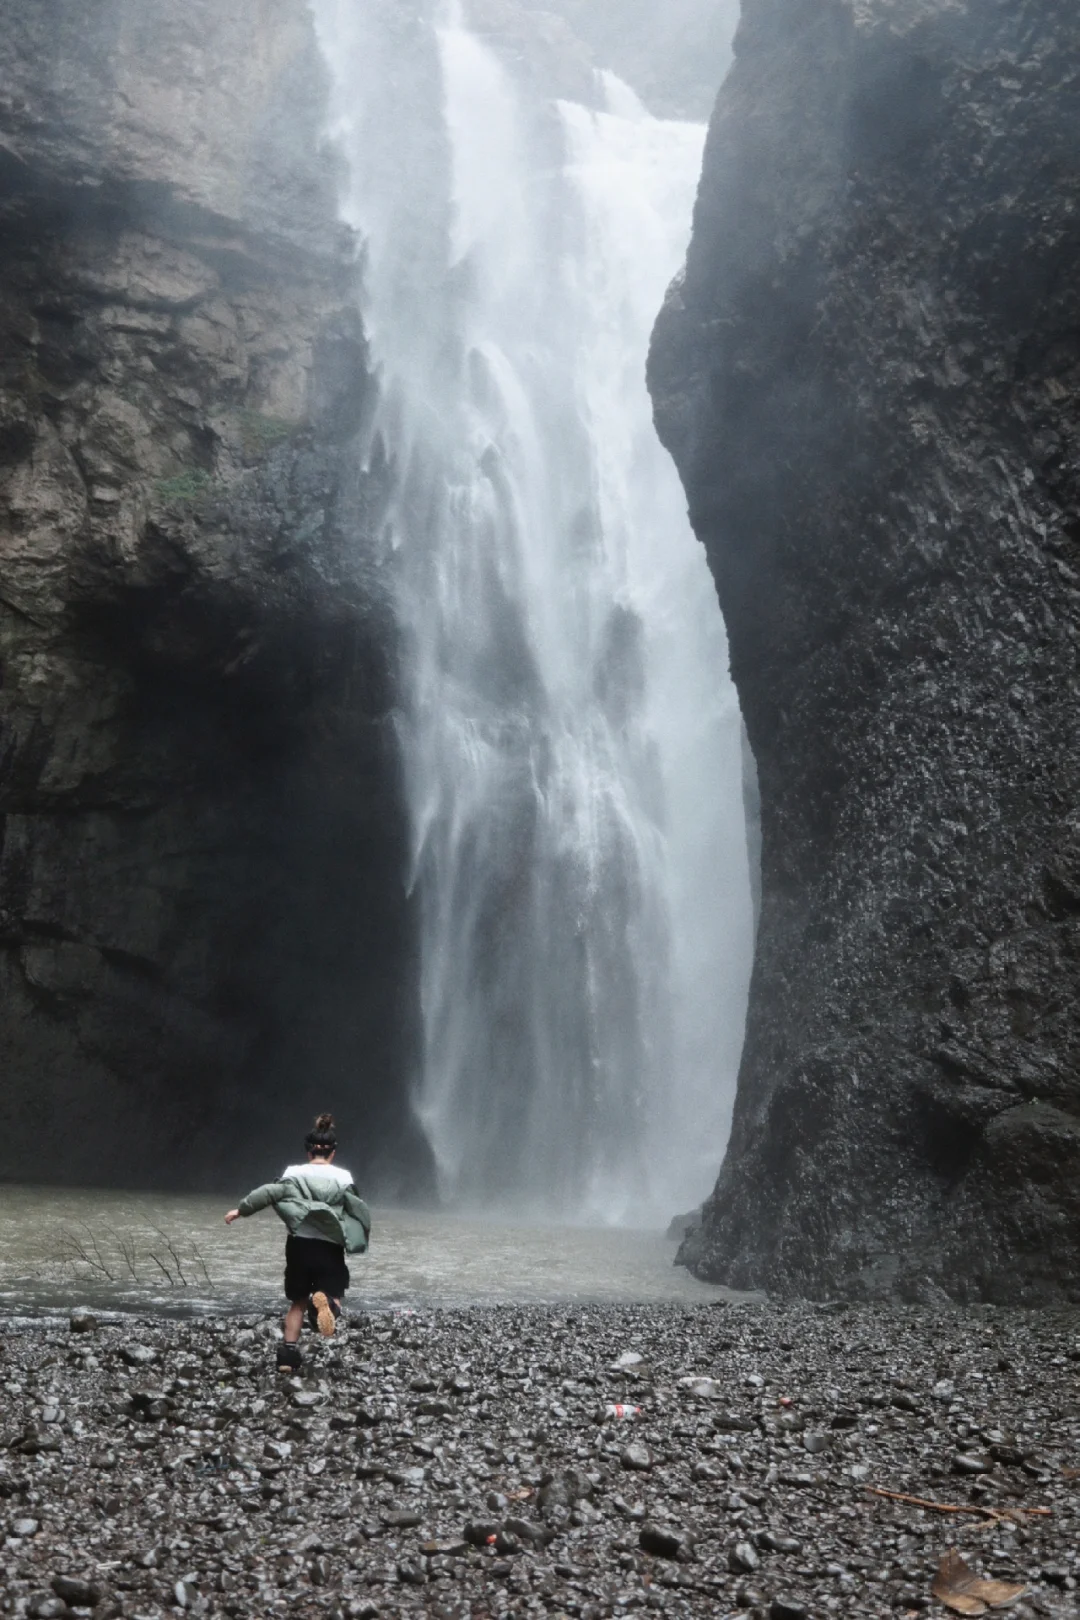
(169, 1253)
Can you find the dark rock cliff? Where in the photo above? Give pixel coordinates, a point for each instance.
(870, 379)
(203, 925)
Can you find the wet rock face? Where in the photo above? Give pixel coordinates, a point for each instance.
(203, 925)
(208, 108)
(870, 382)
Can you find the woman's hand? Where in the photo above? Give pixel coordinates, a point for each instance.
(233, 1215)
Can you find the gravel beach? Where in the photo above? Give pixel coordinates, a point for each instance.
(490, 1461)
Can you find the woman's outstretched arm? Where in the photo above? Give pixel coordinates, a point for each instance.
(261, 1198)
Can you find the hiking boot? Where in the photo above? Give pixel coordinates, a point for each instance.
(311, 1318)
(289, 1358)
(325, 1315)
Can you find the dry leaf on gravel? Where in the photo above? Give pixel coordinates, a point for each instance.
(961, 1590)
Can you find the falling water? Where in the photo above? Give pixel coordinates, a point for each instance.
(570, 734)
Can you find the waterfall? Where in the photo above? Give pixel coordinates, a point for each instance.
(570, 735)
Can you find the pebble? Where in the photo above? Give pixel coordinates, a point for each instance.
(662, 1540)
(1009, 1456)
(138, 1355)
(79, 1594)
(46, 1607)
(311, 1512)
(733, 1423)
(970, 1462)
(742, 1559)
(1056, 1574)
(636, 1457)
(706, 1389)
(629, 1358)
(786, 1608)
(304, 1398)
(413, 1571)
(771, 1542)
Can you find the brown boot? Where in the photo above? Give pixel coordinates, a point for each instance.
(324, 1315)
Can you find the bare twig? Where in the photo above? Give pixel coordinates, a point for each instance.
(96, 1248)
(89, 1254)
(201, 1263)
(83, 1248)
(177, 1262)
(128, 1253)
(162, 1267)
(951, 1507)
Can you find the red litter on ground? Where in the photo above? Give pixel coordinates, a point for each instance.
(620, 1411)
(786, 1400)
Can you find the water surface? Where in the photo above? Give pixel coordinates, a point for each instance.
(172, 1253)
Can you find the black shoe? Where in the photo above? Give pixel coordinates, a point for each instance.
(289, 1358)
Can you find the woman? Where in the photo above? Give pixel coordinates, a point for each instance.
(327, 1219)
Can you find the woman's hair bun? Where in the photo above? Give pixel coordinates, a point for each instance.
(323, 1139)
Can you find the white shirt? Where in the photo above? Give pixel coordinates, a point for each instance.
(335, 1170)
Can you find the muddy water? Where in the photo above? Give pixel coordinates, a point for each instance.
(172, 1254)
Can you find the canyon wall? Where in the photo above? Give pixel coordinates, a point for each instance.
(204, 933)
(870, 379)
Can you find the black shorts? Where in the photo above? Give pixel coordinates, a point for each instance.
(313, 1266)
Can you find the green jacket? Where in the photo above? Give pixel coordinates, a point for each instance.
(319, 1203)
